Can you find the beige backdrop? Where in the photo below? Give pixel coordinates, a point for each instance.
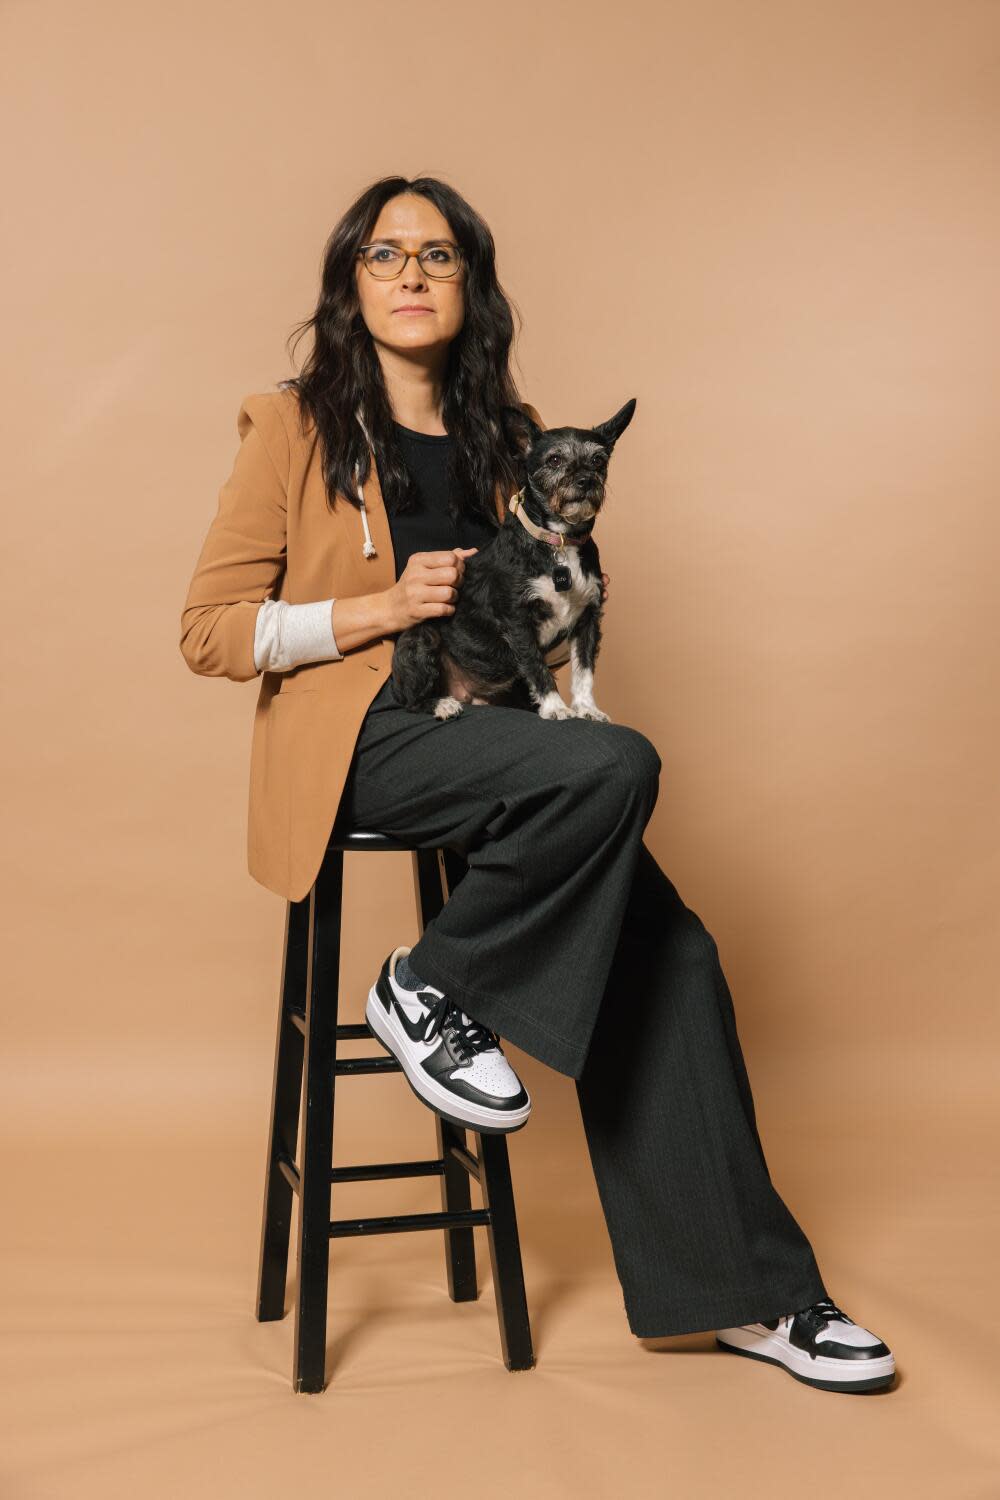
(776, 226)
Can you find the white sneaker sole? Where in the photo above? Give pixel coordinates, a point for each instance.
(827, 1374)
(459, 1111)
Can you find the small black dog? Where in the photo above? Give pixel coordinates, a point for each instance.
(538, 583)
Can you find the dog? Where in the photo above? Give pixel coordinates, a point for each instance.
(535, 585)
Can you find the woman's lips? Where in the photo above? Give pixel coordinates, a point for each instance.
(411, 310)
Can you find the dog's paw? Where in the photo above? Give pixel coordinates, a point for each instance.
(590, 711)
(553, 707)
(447, 708)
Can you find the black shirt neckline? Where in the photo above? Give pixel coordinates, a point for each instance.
(422, 437)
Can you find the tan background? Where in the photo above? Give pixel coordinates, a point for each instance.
(776, 226)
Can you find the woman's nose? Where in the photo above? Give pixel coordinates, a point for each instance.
(413, 273)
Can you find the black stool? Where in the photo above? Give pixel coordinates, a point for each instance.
(306, 1054)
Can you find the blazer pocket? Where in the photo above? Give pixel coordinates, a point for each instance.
(298, 680)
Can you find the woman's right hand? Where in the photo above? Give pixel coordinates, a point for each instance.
(427, 587)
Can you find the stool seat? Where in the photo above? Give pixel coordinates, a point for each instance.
(306, 1066)
(346, 839)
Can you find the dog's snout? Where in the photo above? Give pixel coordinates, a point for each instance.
(583, 477)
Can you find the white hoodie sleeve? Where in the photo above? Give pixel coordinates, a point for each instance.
(289, 635)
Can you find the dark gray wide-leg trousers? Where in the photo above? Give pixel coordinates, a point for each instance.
(566, 938)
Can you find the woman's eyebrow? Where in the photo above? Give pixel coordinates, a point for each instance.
(385, 240)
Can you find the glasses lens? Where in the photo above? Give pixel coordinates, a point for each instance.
(383, 260)
(440, 260)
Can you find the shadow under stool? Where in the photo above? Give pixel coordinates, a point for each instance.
(306, 1066)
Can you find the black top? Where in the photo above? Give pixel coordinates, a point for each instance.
(429, 528)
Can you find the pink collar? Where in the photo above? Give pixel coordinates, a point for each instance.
(554, 538)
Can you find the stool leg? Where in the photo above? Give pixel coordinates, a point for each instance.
(286, 1094)
(455, 867)
(431, 886)
(505, 1252)
(459, 1245)
(322, 1003)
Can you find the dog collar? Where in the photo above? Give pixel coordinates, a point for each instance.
(554, 538)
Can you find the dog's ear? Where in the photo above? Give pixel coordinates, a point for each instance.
(519, 429)
(610, 431)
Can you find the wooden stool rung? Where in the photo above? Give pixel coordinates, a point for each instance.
(351, 1031)
(379, 1169)
(400, 1223)
(388, 1064)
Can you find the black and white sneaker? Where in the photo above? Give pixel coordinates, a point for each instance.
(452, 1063)
(819, 1345)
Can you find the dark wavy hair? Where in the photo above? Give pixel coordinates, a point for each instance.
(343, 371)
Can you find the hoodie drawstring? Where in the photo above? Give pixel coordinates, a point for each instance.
(369, 546)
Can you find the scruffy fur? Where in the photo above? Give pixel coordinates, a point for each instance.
(509, 614)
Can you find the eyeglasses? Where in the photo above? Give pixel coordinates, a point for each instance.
(387, 261)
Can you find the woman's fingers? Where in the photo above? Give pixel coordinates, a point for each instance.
(604, 590)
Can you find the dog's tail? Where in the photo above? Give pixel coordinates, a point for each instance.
(416, 666)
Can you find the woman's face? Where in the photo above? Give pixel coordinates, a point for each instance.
(411, 222)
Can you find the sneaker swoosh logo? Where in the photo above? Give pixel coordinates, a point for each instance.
(414, 1029)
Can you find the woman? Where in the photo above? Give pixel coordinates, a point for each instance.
(564, 934)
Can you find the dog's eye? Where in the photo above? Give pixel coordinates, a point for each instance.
(553, 461)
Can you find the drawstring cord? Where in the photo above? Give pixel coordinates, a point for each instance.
(369, 546)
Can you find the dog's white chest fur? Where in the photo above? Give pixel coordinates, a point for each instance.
(566, 604)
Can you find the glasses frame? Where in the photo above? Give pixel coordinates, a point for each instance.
(408, 255)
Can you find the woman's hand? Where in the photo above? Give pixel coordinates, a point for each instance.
(427, 587)
(604, 589)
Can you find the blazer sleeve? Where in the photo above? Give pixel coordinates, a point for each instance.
(243, 556)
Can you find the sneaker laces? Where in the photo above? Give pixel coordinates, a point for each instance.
(825, 1310)
(469, 1037)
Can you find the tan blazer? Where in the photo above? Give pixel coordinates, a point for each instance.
(274, 536)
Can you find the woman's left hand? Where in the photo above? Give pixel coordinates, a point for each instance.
(604, 588)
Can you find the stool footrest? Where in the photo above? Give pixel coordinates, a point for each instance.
(364, 1173)
(349, 1032)
(377, 1170)
(399, 1223)
(349, 1065)
(433, 1166)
